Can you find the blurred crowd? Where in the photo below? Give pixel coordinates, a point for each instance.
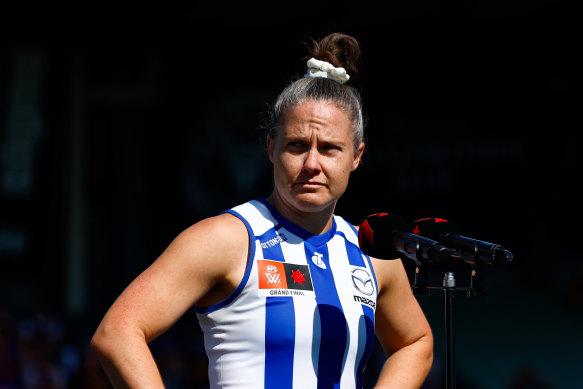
(37, 351)
(41, 349)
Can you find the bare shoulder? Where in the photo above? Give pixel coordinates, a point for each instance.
(213, 245)
(226, 228)
(389, 273)
(224, 222)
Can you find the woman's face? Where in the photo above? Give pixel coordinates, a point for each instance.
(313, 156)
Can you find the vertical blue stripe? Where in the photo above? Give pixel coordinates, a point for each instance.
(279, 342)
(354, 254)
(333, 327)
(279, 328)
(374, 277)
(366, 338)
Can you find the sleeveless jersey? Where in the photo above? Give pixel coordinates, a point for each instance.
(303, 315)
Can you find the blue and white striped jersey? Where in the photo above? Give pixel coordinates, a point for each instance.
(303, 315)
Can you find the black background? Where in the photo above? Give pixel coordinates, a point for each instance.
(149, 118)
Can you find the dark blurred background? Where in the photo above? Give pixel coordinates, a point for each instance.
(122, 124)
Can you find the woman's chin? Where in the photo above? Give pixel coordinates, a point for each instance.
(313, 202)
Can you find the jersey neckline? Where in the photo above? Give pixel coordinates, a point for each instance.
(315, 240)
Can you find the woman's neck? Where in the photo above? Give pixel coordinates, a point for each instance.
(317, 222)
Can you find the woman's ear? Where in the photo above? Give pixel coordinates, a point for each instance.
(358, 156)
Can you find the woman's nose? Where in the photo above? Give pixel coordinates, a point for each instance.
(312, 163)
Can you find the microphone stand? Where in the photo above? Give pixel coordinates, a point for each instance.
(449, 289)
(421, 287)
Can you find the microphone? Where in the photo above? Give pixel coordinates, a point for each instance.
(470, 250)
(386, 236)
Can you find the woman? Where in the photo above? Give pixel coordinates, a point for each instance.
(283, 293)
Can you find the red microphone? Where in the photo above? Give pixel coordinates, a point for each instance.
(388, 236)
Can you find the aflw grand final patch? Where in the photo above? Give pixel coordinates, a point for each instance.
(277, 279)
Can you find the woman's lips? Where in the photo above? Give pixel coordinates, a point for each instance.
(310, 184)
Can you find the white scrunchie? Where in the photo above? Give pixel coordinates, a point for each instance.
(317, 68)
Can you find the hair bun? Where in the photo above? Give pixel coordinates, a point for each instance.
(341, 50)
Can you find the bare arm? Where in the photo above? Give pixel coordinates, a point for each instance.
(401, 328)
(204, 264)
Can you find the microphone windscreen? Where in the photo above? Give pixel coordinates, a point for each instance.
(375, 235)
(435, 229)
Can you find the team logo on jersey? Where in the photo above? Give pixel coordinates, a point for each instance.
(362, 281)
(284, 279)
(317, 260)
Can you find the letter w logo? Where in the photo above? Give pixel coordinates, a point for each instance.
(273, 278)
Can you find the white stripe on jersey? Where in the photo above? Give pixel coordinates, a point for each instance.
(236, 332)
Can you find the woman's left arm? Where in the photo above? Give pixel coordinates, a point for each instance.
(401, 328)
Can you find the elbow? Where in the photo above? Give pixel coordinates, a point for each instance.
(429, 360)
(100, 342)
(106, 338)
(113, 334)
(427, 341)
(424, 347)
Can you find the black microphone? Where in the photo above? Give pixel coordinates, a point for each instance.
(471, 250)
(387, 236)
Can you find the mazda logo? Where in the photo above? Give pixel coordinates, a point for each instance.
(362, 281)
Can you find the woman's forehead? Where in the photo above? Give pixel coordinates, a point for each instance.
(320, 116)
